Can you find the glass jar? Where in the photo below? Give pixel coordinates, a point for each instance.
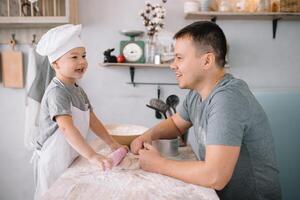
(241, 6)
(150, 49)
(225, 6)
(275, 5)
(204, 5)
(263, 6)
(245, 6)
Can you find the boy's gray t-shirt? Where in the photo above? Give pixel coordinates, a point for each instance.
(57, 100)
(232, 116)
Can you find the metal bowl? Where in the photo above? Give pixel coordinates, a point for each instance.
(167, 147)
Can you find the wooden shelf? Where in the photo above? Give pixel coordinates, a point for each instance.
(139, 65)
(242, 15)
(132, 67)
(25, 26)
(274, 16)
(68, 8)
(33, 21)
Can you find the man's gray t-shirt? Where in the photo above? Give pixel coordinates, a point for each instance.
(232, 116)
(57, 100)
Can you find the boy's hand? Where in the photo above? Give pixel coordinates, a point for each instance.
(100, 161)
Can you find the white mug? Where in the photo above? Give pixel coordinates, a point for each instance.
(191, 6)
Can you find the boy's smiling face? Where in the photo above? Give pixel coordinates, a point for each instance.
(71, 66)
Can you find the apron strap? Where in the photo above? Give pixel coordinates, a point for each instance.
(35, 156)
(34, 160)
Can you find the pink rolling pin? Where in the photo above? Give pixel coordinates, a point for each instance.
(116, 156)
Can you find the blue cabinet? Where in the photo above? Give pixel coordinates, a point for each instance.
(283, 110)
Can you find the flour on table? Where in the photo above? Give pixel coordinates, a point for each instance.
(88, 182)
(130, 162)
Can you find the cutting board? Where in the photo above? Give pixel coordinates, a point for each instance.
(12, 69)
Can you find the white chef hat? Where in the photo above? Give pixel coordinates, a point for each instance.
(59, 40)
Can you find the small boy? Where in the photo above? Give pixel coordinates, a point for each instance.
(66, 113)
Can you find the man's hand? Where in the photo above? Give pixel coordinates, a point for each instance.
(138, 142)
(100, 161)
(150, 159)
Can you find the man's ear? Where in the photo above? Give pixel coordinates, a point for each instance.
(209, 59)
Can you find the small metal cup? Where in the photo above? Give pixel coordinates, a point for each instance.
(167, 147)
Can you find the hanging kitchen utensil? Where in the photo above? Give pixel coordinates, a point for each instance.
(170, 112)
(12, 67)
(172, 101)
(156, 110)
(160, 105)
(157, 113)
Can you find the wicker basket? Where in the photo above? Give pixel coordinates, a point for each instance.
(289, 6)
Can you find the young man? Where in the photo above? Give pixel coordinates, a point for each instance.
(234, 139)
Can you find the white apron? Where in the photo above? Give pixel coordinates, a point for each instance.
(57, 154)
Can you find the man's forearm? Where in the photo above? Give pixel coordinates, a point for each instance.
(164, 130)
(194, 172)
(215, 172)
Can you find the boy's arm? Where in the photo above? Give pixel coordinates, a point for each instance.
(75, 139)
(98, 128)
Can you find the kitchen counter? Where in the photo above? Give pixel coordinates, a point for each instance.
(86, 182)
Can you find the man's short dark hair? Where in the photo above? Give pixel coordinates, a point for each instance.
(205, 33)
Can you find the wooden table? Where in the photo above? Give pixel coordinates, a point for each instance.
(86, 182)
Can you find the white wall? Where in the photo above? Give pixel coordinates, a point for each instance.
(254, 56)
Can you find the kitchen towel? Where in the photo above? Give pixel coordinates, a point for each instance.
(39, 74)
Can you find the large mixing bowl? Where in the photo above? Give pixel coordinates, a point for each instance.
(125, 133)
